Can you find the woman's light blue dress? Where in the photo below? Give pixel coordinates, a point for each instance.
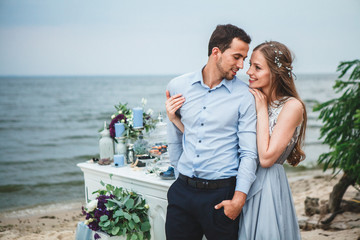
(269, 211)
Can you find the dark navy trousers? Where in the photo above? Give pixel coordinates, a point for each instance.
(191, 213)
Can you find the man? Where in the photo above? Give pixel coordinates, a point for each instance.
(216, 155)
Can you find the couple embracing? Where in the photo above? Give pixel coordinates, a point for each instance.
(228, 140)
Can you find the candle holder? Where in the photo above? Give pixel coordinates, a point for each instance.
(130, 157)
(141, 148)
(139, 129)
(106, 146)
(120, 146)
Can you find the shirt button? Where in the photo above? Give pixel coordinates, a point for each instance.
(204, 107)
(197, 155)
(209, 91)
(202, 124)
(199, 141)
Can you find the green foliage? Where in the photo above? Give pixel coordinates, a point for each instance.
(341, 118)
(127, 213)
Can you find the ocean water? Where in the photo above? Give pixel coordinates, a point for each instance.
(49, 124)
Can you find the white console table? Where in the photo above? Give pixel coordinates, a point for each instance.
(151, 187)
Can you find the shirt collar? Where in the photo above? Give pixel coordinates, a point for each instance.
(198, 78)
(228, 84)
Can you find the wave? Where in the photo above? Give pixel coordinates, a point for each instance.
(10, 121)
(313, 143)
(78, 137)
(30, 187)
(310, 101)
(82, 157)
(74, 159)
(313, 126)
(42, 145)
(22, 127)
(311, 116)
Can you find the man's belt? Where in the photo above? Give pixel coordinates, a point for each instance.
(207, 184)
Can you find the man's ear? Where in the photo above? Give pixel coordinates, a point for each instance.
(215, 51)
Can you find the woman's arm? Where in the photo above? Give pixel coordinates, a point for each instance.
(271, 147)
(172, 104)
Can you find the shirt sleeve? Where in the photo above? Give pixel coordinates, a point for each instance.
(175, 148)
(174, 140)
(247, 146)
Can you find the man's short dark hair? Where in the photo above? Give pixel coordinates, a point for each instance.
(223, 36)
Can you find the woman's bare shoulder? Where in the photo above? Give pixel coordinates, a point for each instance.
(294, 109)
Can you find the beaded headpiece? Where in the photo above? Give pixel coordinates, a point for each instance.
(278, 53)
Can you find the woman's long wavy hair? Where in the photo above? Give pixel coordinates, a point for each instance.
(279, 60)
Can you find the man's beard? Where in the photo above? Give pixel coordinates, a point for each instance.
(223, 73)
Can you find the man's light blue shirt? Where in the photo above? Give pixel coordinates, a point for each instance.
(219, 139)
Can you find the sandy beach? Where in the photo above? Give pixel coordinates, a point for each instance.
(58, 221)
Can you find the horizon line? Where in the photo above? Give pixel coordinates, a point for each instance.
(132, 75)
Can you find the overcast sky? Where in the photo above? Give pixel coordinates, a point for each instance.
(118, 37)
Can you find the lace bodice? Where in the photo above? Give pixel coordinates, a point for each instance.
(274, 112)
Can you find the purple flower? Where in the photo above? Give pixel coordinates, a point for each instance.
(99, 211)
(94, 226)
(98, 214)
(83, 211)
(96, 236)
(102, 199)
(108, 213)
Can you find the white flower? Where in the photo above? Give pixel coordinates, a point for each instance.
(122, 120)
(113, 116)
(91, 205)
(150, 111)
(120, 112)
(86, 222)
(143, 101)
(110, 209)
(91, 220)
(146, 206)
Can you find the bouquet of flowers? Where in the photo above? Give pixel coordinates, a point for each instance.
(125, 115)
(118, 212)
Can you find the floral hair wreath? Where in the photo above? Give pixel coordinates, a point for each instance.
(277, 60)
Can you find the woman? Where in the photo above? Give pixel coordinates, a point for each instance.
(269, 211)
